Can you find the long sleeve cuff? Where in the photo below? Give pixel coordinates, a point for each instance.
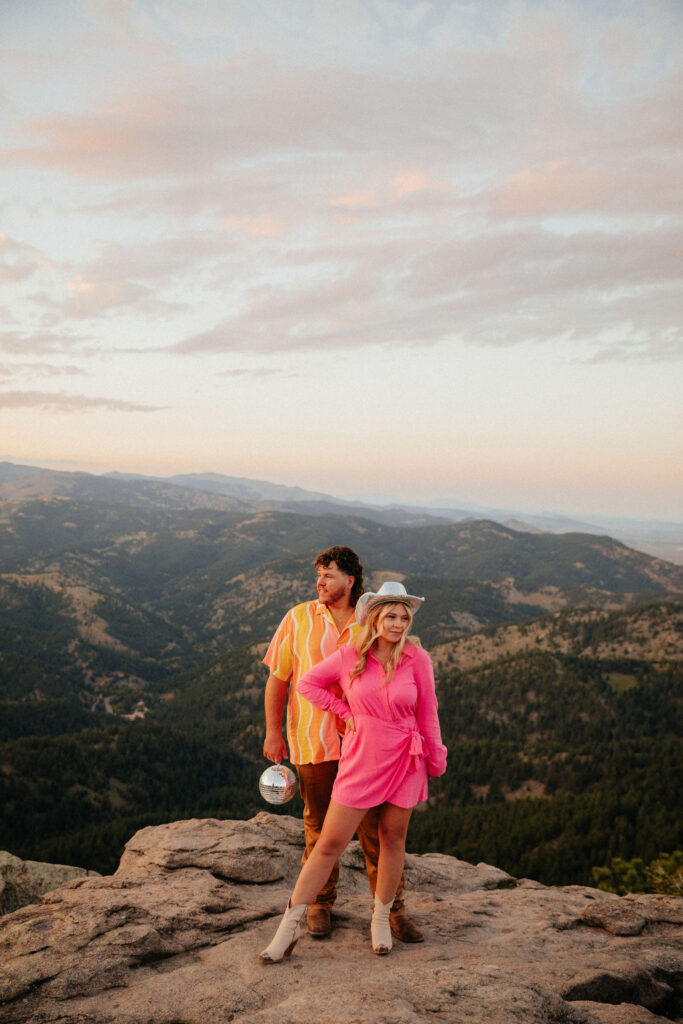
(436, 762)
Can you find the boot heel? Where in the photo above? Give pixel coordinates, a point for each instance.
(290, 930)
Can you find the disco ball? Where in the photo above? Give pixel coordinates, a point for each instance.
(278, 784)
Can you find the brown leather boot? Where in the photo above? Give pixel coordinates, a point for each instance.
(319, 923)
(402, 928)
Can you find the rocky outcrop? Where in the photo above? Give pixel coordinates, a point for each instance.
(25, 881)
(172, 938)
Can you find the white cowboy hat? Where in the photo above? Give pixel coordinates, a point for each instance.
(390, 592)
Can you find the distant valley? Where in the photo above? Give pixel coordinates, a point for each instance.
(663, 539)
(125, 582)
(134, 613)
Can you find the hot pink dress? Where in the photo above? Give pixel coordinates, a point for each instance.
(397, 740)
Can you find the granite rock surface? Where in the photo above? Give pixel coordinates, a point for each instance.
(25, 881)
(173, 936)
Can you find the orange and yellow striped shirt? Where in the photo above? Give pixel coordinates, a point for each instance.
(306, 635)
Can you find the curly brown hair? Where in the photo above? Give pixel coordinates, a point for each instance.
(347, 561)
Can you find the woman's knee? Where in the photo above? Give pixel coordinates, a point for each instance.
(392, 836)
(330, 846)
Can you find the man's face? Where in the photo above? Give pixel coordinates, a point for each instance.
(333, 584)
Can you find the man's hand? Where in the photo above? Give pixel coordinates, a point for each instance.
(274, 747)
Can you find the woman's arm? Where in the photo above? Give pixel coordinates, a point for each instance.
(315, 685)
(427, 714)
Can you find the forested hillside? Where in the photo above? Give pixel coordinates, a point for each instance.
(116, 598)
(556, 762)
(133, 619)
(76, 784)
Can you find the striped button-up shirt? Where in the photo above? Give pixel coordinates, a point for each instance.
(306, 635)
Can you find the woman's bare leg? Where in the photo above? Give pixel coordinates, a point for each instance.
(338, 829)
(393, 828)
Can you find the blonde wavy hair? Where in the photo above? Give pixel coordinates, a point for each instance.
(372, 630)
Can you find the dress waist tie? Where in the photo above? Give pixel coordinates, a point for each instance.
(410, 732)
(417, 749)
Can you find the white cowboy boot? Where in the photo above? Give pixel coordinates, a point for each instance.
(292, 926)
(380, 928)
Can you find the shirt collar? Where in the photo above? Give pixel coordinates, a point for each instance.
(321, 609)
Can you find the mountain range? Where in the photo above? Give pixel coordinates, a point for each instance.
(134, 614)
(122, 582)
(661, 538)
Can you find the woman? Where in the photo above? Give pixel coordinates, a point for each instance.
(391, 744)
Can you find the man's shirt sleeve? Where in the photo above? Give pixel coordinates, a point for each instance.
(279, 654)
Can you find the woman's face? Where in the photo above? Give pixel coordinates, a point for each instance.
(395, 623)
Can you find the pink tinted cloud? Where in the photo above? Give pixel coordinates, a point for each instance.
(248, 105)
(19, 261)
(574, 185)
(406, 183)
(262, 225)
(59, 401)
(512, 286)
(255, 143)
(362, 198)
(108, 145)
(88, 298)
(413, 190)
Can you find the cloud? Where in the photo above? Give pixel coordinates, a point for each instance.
(58, 401)
(509, 286)
(26, 342)
(248, 107)
(261, 226)
(19, 261)
(406, 183)
(359, 199)
(244, 372)
(119, 280)
(224, 337)
(665, 349)
(405, 191)
(33, 370)
(510, 83)
(90, 298)
(491, 175)
(573, 185)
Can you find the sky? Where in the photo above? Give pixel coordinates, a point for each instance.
(418, 249)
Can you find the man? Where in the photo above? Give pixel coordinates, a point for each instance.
(308, 633)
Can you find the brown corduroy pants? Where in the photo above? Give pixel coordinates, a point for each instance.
(315, 785)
